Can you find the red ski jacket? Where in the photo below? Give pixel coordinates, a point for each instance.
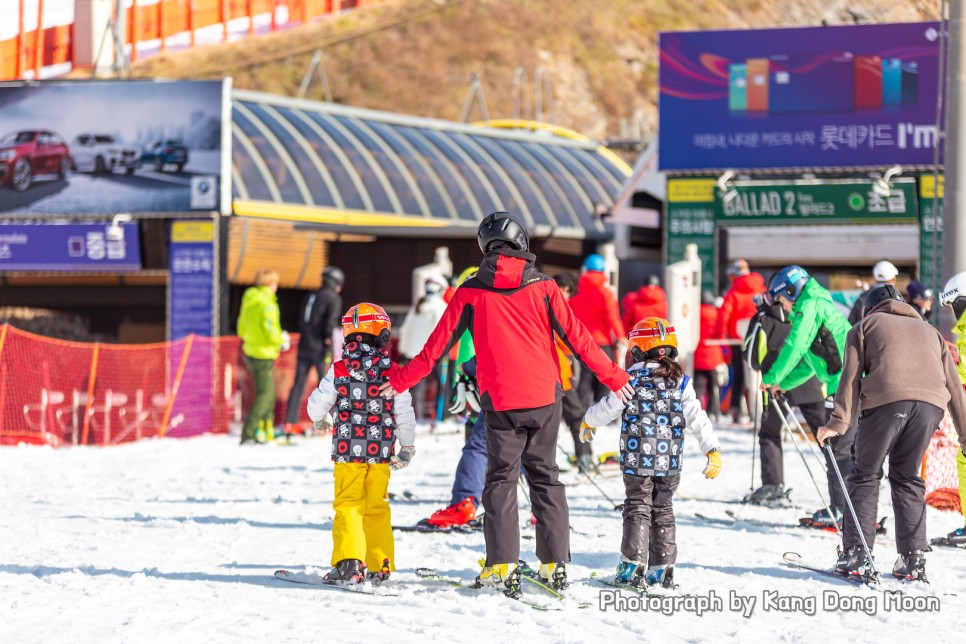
(708, 357)
(650, 301)
(739, 306)
(513, 311)
(596, 306)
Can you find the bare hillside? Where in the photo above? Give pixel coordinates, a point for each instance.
(417, 56)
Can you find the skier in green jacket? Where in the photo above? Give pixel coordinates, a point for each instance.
(260, 330)
(817, 338)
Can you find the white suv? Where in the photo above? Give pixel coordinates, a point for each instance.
(100, 153)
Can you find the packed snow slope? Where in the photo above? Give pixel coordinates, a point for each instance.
(178, 540)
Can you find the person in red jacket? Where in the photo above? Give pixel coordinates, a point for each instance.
(708, 358)
(736, 311)
(595, 305)
(650, 302)
(513, 312)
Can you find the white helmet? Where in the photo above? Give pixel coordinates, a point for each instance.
(955, 288)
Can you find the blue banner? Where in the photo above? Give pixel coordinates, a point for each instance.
(191, 289)
(813, 97)
(69, 247)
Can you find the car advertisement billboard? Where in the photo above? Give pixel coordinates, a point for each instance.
(815, 97)
(113, 146)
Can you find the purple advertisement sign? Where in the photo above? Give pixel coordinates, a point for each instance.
(816, 97)
(69, 247)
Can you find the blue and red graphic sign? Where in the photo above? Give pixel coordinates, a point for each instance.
(817, 97)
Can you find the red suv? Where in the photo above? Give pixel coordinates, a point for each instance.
(28, 153)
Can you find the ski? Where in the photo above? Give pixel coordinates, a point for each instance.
(427, 528)
(646, 591)
(807, 522)
(794, 560)
(316, 579)
(715, 520)
(408, 497)
(429, 574)
(945, 542)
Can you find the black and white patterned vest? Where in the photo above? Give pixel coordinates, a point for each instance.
(365, 426)
(652, 428)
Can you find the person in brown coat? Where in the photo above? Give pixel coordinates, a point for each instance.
(898, 370)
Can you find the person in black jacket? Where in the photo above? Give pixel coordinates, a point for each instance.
(321, 312)
(764, 340)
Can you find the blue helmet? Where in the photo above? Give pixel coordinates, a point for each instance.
(788, 282)
(595, 263)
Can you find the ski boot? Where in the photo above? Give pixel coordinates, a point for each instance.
(957, 537)
(629, 572)
(347, 572)
(660, 576)
(821, 519)
(458, 514)
(505, 577)
(381, 575)
(911, 566)
(766, 495)
(554, 575)
(853, 562)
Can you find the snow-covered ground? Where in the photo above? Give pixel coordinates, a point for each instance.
(177, 540)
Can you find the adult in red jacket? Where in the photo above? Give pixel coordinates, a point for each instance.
(707, 358)
(736, 311)
(595, 305)
(513, 311)
(651, 302)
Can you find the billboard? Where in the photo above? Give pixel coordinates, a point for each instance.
(815, 97)
(70, 247)
(105, 147)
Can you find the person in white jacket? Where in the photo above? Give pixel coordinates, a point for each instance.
(422, 318)
(654, 421)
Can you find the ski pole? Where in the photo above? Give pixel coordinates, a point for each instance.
(855, 518)
(778, 410)
(617, 506)
(788, 409)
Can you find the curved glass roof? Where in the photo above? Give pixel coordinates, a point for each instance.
(306, 156)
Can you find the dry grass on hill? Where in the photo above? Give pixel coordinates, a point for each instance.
(417, 56)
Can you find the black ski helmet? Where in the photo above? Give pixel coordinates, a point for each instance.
(503, 227)
(333, 276)
(877, 295)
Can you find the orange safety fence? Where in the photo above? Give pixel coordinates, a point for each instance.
(57, 392)
(160, 20)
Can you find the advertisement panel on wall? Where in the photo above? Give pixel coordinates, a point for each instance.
(814, 97)
(69, 247)
(112, 146)
(192, 287)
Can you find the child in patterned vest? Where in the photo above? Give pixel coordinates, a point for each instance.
(653, 423)
(366, 427)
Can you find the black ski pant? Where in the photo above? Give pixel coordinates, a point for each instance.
(302, 366)
(591, 389)
(649, 528)
(737, 381)
(706, 384)
(770, 437)
(528, 436)
(842, 451)
(573, 409)
(901, 431)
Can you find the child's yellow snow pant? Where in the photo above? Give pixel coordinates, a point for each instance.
(362, 528)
